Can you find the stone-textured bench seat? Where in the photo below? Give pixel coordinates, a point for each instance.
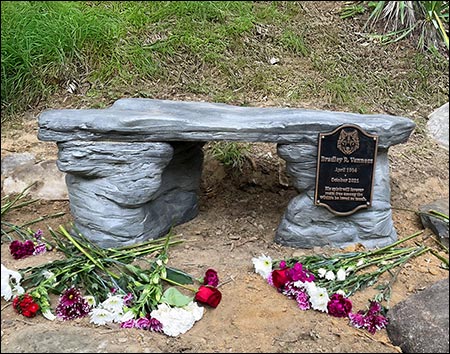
(133, 170)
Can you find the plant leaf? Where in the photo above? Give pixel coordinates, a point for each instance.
(179, 276)
(172, 296)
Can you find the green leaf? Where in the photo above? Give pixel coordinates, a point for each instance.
(179, 276)
(174, 297)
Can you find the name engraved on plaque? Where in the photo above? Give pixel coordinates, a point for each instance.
(345, 169)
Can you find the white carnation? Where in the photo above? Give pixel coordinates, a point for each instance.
(113, 304)
(177, 320)
(124, 317)
(318, 297)
(263, 265)
(101, 316)
(330, 275)
(196, 310)
(10, 283)
(340, 275)
(321, 272)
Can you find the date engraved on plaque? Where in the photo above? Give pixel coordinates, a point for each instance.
(345, 169)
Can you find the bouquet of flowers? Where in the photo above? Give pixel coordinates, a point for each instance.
(325, 283)
(109, 285)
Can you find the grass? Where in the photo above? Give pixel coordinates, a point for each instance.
(208, 50)
(230, 154)
(11, 231)
(401, 19)
(47, 44)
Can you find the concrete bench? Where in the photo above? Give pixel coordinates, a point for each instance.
(134, 169)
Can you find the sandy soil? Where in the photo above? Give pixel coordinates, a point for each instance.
(239, 212)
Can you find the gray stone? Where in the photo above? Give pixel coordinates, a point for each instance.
(306, 225)
(163, 120)
(420, 323)
(49, 182)
(435, 223)
(138, 189)
(123, 189)
(437, 125)
(15, 160)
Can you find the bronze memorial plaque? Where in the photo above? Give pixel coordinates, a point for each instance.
(345, 169)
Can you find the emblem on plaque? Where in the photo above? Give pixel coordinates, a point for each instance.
(348, 142)
(345, 169)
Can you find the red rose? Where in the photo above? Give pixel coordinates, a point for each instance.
(208, 295)
(280, 277)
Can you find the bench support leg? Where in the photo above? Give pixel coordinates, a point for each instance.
(125, 193)
(305, 225)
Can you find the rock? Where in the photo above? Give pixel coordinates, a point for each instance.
(419, 324)
(49, 182)
(438, 125)
(16, 160)
(140, 119)
(138, 189)
(435, 223)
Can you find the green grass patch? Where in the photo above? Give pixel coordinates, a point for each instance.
(47, 44)
(211, 50)
(230, 154)
(294, 42)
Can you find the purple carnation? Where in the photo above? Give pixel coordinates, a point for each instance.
(376, 322)
(40, 249)
(357, 320)
(297, 273)
(72, 305)
(371, 320)
(38, 235)
(269, 279)
(128, 299)
(211, 278)
(131, 323)
(142, 323)
(374, 308)
(20, 249)
(303, 300)
(155, 325)
(339, 306)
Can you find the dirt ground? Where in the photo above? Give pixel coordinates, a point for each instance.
(239, 212)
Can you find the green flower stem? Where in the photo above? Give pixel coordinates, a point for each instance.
(41, 218)
(343, 260)
(439, 214)
(121, 256)
(443, 259)
(419, 251)
(71, 239)
(392, 245)
(180, 285)
(353, 283)
(159, 242)
(388, 257)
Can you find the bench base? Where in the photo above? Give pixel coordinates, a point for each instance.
(125, 193)
(305, 225)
